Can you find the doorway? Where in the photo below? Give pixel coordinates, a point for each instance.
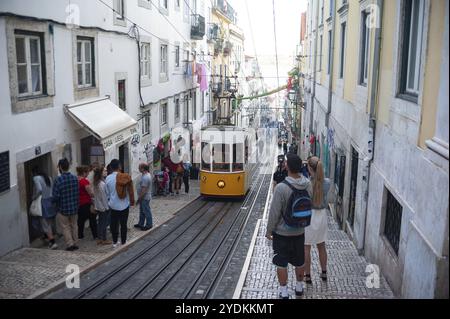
(339, 180)
(44, 163)
(124, 157)
(353, 187)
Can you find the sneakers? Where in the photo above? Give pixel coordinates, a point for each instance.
(116, 245)
(299, 291)
(53, 246)
(284, 293)
(147, 228)
(137, 226)
(72, 248)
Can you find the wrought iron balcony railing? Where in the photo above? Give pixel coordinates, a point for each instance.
(198, 27)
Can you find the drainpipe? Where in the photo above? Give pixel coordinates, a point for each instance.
(313, 96)
(331, 61)
(368, 161)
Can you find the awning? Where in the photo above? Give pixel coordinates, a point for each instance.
(105, 120)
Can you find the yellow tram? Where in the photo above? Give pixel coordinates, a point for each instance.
(224, 171)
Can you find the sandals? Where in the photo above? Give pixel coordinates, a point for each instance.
(324, 276)
(308, 279)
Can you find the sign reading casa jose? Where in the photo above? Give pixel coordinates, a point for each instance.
(119, 137)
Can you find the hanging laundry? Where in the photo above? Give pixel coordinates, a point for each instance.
(188, 73)
(199, 73)
(204, 84)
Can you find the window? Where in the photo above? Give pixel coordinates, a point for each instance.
(119, 13)
(120, 9)
(238, 157)
(163, 114)
(4, 172)
(163, 67)
(330, 49)
(322, 11)
(146, 123)
(177, 110)
(331, 8)
(145, 61)
(85, 62)
(393, 221)
(29, 64)
(177, 56)
(206, 157)
(342, 57)
(164, 6)
(202, 111)
(121, 92)
(194, 105)
(411, 58)
(221, 157)
(364, 50)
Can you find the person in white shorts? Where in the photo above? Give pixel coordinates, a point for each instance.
(317, 232)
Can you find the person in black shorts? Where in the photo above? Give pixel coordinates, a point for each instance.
(288, 242)
(280, 175)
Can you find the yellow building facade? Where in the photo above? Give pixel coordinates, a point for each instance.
(376, 93)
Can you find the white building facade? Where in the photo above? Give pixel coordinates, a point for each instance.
(128, 58)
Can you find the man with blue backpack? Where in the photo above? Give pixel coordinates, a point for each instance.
(290, 214)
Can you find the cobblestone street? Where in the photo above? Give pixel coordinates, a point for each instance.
(346, 271)
(29, 272)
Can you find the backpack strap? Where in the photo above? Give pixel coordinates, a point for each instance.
(290, 186)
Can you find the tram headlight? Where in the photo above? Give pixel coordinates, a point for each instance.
(221, 184)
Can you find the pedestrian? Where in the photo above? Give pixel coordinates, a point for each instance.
(91, 169)
(280, 175)
(316, 233)
(66, 198)
(171, 180)
(187, 176)
(288, 242)
(285, 148)
(178, 178)
(101, 205)
(120, 192)
(42, 186)
(84, 210)
(144, 191)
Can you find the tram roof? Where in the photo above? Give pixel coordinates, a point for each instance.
(223, 128)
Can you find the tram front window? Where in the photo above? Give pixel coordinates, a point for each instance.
(221, 158)
(238, 157)
(206, 157)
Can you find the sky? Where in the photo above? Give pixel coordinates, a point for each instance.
(259, 18)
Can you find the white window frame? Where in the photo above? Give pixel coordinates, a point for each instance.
(163, 62)
(418, 52)
(164, 115)
(177, 112)
(29, 65)
(146, 61)
(364, 49)
(83, 63)
(120, 13)
(146, 119)
(343, 45)
(177, 56)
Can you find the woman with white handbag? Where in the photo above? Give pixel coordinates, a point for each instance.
(42, 206)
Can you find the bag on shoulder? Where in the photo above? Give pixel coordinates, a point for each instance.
(36, 207)
(298, 212)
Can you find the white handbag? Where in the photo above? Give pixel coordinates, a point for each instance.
(36, 207)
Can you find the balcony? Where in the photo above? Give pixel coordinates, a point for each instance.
(227, 48)
(226, 10)
(213, 32)
(198, 27)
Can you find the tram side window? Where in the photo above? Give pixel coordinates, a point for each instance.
(238, 157)
(206, 157)
(221, 158)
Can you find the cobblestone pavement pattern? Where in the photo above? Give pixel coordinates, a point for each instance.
(346, 271)
(27, 271)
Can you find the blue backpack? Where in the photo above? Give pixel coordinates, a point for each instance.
(299, 208)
